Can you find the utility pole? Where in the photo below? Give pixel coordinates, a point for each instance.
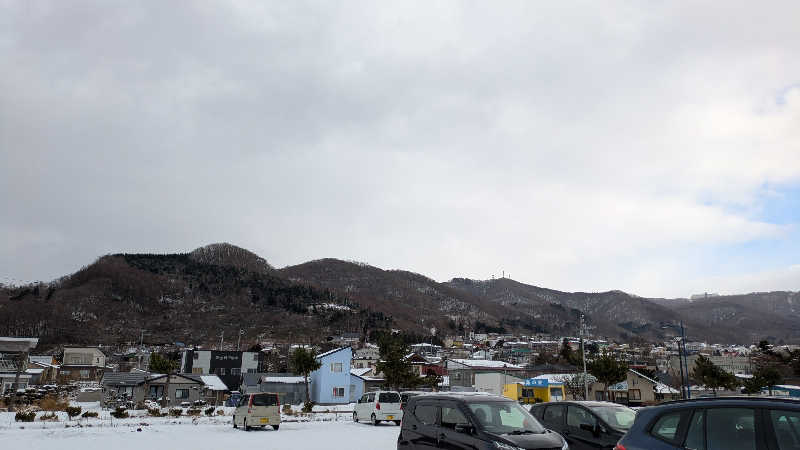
(239, 342)
(21, 363)
(685, 361)
(583, 356)
(221, 339)
(680, 364)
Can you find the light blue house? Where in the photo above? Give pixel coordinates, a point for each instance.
(330, 384)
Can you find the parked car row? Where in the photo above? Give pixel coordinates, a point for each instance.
(457, 421)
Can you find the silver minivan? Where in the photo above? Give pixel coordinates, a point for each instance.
(258, 410)
(379, 406)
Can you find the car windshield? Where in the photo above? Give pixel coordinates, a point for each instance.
(618, 417)
(505, 418)
(389, 397)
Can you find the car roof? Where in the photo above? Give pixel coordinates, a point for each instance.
(468, 397)
(586, 403)
(732, 400)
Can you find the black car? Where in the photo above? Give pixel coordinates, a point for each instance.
(472, 421)
(725, 423)
(586, 425)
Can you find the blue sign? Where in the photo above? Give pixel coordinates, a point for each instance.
(536, 382)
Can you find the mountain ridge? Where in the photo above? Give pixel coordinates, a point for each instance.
(185, 295)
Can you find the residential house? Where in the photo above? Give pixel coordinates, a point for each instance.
(424, 365)
(361, 381)
(462, 371)
(331, 382)
(227, 365)
(43, 369)
(366, 357)
(493, 382)
(138, 386)
(82, 364)
(291, 389)
(636, 390)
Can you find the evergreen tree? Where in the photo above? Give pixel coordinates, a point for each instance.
(162, 363)
(711, 375)
(397, 371)
(304, 362)
(608, 370)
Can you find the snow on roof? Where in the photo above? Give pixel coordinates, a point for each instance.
(662, 388)
(287, 380)
(330, 352)
(34, 371)
(360, 371)
(786, 386)
(486, 364)
(213, 382)
(563, 377)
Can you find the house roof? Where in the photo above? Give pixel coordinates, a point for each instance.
(486, 364)
(213, 382)
(123, 378)
(10, 344)
(330, 352)
(287, 380)
(360, 372)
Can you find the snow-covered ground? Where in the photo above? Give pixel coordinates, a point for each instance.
(320, 431)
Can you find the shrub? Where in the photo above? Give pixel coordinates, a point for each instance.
(88, 414)
(308, 406)
(155, 412)
(287, 409)
(73, 411)
(49, 417)
(119, 413)
(25, 416)
(193, 412)
(221, 412)
(53, 404)
(175, 412)
(210, 411)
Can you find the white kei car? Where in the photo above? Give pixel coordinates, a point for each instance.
(379, 406)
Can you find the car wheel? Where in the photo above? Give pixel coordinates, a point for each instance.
(355, 417)
(246, 428)
(275, 427)
(397, 422)
(374, 420)
(234, 422)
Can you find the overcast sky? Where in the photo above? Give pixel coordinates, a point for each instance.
(652, 147)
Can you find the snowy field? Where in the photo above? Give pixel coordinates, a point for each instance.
(325, 431)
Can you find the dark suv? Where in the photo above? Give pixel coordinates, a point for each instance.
(472, 421)
(586, 425)
(725, 423)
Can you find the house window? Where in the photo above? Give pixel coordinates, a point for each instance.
(338, 392)
(635, 394)
(336, 367)
(181, 393)
(198, 370)
(195, 355)
(84, 374)
(65, 373)
(251, 371)
(236, 371)
(153, 391)
(255, 356)
(221, 371)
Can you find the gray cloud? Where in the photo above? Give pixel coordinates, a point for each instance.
(577, 147)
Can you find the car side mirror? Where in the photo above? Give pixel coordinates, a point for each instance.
(464, 428)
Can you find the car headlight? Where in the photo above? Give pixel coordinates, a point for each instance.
(504, 446)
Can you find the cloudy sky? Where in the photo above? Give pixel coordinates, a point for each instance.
(652, 147)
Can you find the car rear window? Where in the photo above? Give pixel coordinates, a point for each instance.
(265, 400)
(666, 427)
(389, 397)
